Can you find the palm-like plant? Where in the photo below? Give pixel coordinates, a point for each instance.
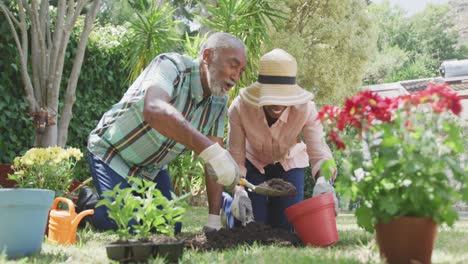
(248, 20)
(192, 44)
(152, 32)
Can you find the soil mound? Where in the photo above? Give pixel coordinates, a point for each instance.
(252, 232)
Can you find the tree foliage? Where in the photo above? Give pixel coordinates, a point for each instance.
(249, 21)
(151, 32)
(426, 38)
(116, 12)
(331, 41)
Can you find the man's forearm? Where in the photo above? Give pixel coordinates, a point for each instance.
(168, 121)
(214, 193)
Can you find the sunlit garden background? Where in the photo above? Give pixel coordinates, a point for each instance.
(340, 46)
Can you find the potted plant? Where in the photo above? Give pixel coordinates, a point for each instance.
(139, 212)
(40, 174)
(46, 168)
(402, 164)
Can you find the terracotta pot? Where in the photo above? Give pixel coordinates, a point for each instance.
(314, 220)
(407, 239)
(6, 169)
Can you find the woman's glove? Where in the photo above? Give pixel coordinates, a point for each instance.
(220, 165)
(322, 187)
(241, 207)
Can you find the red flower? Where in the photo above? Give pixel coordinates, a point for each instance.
(438, 95)
(366, 110)
(336, 139)
(328, 112)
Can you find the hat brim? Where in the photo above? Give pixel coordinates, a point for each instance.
(258, 94)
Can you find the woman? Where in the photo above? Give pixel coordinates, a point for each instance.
(266, 124)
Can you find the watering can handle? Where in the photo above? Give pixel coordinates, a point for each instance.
(71, 206)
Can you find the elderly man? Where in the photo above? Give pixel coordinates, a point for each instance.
(176, 103)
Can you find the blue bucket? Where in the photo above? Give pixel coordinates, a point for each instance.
(23, 219)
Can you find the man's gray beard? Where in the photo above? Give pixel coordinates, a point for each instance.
(216, 86)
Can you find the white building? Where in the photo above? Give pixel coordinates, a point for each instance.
(454, 73)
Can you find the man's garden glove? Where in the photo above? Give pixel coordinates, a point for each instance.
(322, 187)
(213, 223)
(221, 166)
(241, 207)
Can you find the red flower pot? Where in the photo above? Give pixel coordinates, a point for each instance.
(407, 239)
(314, 220)
(6, 169)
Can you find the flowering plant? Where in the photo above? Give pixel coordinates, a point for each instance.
(46, 168)
(403, 156)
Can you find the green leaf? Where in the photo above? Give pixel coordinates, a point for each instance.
(464, 192)
(365, 218)
(390, 207)
(390, 141)
(450, 216)
(388, 186)
(14, 66)
(328, 168)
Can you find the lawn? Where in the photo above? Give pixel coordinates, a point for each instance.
(355, 246)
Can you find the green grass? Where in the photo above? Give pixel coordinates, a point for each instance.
(355, 246)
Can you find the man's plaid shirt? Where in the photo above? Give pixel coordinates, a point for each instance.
(124, 141)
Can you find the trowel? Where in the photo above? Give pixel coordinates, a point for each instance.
(265, 189)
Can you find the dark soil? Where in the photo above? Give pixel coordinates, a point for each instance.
(252, 232)
(280, 185)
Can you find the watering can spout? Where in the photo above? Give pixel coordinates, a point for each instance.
(79, 217)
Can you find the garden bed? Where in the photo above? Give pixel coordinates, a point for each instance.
(252, 232)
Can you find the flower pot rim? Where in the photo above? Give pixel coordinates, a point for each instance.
(31, 189)
(406, 219)
(309, 206)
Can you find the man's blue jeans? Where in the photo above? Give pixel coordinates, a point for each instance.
(269, 210)
(106, 179)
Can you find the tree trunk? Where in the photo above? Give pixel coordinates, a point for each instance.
(70, 97)
(42, 84)
(48, 138)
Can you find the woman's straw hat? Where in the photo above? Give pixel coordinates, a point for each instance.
(276, 84)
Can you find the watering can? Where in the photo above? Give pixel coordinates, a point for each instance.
(63, 223)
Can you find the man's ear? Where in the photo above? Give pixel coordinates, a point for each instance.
(207, 56)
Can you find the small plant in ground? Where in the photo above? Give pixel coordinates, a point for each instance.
(187, 174)
(121, 206)
(156, 213)
(142, 210)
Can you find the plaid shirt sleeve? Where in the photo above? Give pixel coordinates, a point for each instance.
(161, 73)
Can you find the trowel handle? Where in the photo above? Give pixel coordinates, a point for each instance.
(247, 184)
